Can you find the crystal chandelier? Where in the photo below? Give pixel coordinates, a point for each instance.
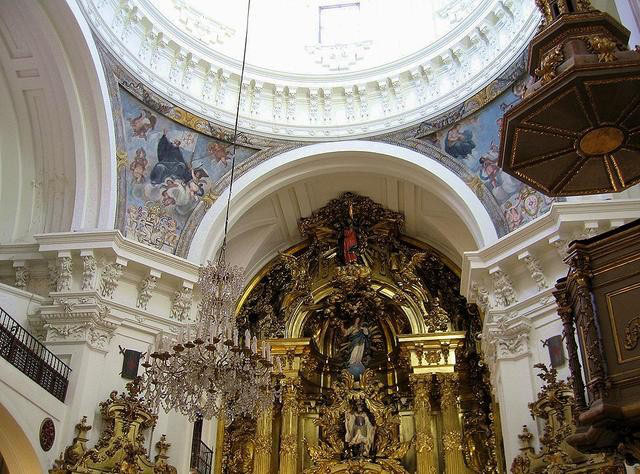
(211, 370)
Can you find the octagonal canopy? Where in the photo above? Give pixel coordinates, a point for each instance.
(577, 137)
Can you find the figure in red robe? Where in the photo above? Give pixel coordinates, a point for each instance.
(349, 240)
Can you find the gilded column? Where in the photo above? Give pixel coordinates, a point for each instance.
(289, 434)
(426, 455)
(451, 429)
(263, 443)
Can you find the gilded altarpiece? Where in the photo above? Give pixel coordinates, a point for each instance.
(380, 369)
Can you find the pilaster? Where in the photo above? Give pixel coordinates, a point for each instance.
(426, 454)
(263, 443)
(451, 428)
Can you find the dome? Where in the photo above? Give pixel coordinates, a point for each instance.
(317, 69)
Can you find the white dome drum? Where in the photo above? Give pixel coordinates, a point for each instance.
(318, 69)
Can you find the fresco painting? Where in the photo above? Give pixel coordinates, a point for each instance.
(171, 170)
(474, 141)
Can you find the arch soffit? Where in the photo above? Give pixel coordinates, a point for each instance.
(321, 159)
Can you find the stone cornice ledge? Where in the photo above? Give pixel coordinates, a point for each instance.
(121, 247)
(560, 214)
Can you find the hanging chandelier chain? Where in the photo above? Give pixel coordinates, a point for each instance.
(235, 126)
(211, 368)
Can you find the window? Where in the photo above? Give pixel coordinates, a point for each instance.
(339, 24)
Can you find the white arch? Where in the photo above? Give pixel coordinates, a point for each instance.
(344, 156)
(58, 172)
(94, 135)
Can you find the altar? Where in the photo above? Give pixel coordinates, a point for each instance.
(377, 354)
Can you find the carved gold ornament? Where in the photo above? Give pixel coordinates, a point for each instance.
(549, 64)
(120, 448)
(122, 159)
(332, 449)
(555, 406)
(451, 441)
(424, 441)
(604, 47)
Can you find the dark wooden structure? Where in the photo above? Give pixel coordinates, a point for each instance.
(577, 130)
(599, 301)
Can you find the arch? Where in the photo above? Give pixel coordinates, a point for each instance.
(15, 447)
(58, 172)
(335, 157)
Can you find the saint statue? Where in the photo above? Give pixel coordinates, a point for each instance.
(359, 431)
(349, 240)
(359, 341)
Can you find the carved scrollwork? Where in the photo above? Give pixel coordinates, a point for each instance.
(632, 334)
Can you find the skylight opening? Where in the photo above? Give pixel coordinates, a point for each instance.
(339, 23)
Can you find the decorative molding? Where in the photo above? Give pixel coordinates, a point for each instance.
(110, 278)
(480, 296)
(181, 303)
(145, 288)
(89, 272)
(23, 274)
(535, 270)
(73, 320)
(502, 287)
(561, 245)
(64, 270)
(510, 337)
(165, 55)
(121, 247)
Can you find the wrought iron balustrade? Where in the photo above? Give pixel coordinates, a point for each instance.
(201, 457)
(32, 358)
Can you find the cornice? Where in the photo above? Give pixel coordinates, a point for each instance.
(543, 227)
(121, 247)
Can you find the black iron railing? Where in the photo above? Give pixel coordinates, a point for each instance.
(201, 457)
(31, 358)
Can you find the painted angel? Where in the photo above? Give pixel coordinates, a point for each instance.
(143, 124)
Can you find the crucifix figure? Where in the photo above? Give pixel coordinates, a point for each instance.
(349, 240)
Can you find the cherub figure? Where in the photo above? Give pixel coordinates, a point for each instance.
(143, 124)
(139, 165)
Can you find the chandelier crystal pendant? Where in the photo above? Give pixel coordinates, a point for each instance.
(210, 370)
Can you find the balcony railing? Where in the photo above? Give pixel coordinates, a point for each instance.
(201, 457)
(31, 358)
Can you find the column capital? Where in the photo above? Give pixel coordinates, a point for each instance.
(77, 320)
(509, 337)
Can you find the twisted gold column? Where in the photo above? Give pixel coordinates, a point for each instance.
(426, 455)
(451, 429)
(262, 453)
(289, 436)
